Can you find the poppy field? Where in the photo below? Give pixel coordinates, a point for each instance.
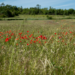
(37, 47)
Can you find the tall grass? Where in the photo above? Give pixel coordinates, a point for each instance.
(39, 17)
(52, 56)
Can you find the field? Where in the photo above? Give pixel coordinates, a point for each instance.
(39, 17)
(37, 47)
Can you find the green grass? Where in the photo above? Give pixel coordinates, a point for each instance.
(52, 56)
(39, 17)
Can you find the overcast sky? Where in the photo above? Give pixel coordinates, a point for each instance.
(58, 4)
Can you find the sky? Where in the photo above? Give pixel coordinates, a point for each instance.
(58, 4)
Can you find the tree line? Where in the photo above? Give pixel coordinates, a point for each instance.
(11, 11)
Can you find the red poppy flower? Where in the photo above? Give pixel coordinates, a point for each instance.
(31, 41)
(17, 44)
(60, 37)
(7, 39)
(22, 37)
(34, 41)
(27, 44)
(70, 32)
(6, 35)
(27, 31)
(66, 33)
(20, 33)
(39, 41)
(12, 34)
(44, 38)
(31, 35)
(45, 41)
(55, 33)
(17, 39)
(25, 37)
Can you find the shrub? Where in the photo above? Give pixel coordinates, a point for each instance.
(8, 13)
(49, 17)
(69, 18)
(2, 16)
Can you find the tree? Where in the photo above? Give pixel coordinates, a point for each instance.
(71, 11)
(2, 4)
(66, 12)
(8, 13)
(38, 8)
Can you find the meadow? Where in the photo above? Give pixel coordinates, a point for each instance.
(37, 47)
(39, 17)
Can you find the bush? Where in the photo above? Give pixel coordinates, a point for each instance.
(69, 18)
(8, 13)
(0, 19)
(2, 16)
(49, 17)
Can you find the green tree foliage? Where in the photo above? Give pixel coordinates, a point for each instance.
(71, 11)
(8, 13)
(11, 11)
(45, 11)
